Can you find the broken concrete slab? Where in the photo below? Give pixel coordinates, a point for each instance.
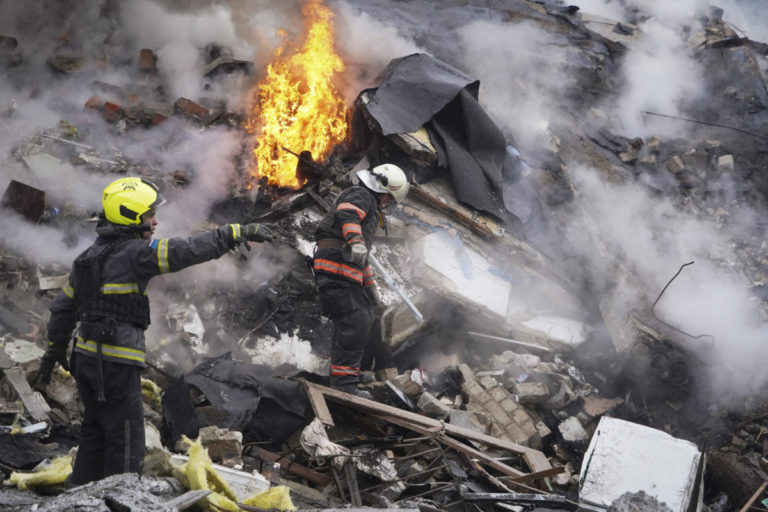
(43, 165)
(447, 264)
(564, 333)
(45, 283)
(21, 351)
(34, 404)
(626, 457)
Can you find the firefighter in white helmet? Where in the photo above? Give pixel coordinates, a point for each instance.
(344, 280)
(105, 304)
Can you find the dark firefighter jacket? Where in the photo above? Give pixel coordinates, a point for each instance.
(353, 220)
(126, 271)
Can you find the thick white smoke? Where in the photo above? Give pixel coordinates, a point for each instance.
(527, 77)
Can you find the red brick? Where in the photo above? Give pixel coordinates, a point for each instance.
(147, 61)
(191, 108)
(111, 111)
(94, 102)
(158, 118)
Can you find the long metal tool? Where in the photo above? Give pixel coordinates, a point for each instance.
(391, 283)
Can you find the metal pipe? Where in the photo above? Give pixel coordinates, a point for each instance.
(391, 283)
(67, 141)
(507, 340)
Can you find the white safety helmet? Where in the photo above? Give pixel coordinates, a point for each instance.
(386, 179)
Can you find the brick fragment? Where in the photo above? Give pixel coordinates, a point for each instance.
(147, 61)
(94, 102)
(191, 108)
(111, 111)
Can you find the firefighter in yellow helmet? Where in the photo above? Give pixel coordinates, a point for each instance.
(105, 305)
(344, 280)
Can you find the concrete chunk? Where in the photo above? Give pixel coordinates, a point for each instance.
(675, 164)
(726, 163)
(531, 392)
(432, 407)
(223, 445)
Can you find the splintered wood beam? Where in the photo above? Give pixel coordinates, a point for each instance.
(320, 408)
(456, 445)
(187, 499)
(535, 459)
(754, 497)
(455, 214)
(538, 475)
(513, 497)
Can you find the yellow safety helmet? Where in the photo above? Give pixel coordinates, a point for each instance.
(127, 199)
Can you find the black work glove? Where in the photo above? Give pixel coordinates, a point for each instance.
(255, 232)
(373, 294)
(359, 254)
(56, 353)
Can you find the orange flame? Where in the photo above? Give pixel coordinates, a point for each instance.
(298, 106)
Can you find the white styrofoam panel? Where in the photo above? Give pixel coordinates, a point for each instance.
(626, 457)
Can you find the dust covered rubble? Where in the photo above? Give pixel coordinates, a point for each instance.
(518, 345)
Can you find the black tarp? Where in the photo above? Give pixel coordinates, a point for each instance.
(418, 90)
(246, 398)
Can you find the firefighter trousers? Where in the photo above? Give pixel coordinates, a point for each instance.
(112, 432)
(351, 312)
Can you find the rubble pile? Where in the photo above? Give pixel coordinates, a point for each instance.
(538, 346)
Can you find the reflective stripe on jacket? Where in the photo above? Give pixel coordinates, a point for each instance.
(128, 270)
(354, 219)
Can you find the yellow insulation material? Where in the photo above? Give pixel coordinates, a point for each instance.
(55, 472)
(198, 473)
(151, 391)
(277, 497)
(62, 373)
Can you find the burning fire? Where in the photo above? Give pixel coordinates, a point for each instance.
(298, 106)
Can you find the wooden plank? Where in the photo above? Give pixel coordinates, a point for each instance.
(308, 493)
(456, 445)
(317, 400)
(539, 475)
(454, 212)
(188, 499)
(350, 472)
(293, 467)
(754, 497)
(513, 497)
(535, 459)
(33, 403)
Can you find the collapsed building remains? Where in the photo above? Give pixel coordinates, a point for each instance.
(547, 341)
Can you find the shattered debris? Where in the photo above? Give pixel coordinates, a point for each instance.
(530, 349)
